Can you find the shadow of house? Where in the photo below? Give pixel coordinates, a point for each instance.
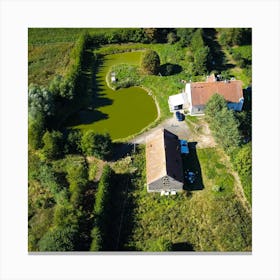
(191, 164)
(169, 69)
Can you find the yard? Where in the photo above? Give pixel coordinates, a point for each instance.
(205, 218)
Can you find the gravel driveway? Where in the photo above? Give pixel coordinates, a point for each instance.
(179, 128)
(203, 136)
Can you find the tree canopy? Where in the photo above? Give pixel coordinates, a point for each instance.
(98, 145)
(53, 143)
(150, 62)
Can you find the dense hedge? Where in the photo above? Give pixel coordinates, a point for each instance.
(101, 209)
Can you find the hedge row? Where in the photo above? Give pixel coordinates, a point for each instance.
(100, 210)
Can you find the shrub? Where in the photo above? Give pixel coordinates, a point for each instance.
(98, 145)
(73, 142)
(171, 38)
(53, 143)
(59, 239)
(150, 62)
(159, 245)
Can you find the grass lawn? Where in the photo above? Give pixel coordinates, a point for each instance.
(207, 219)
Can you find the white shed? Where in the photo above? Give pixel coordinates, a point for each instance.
(177, 102)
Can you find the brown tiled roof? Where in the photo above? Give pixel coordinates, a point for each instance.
(163, 156)
(230, 90)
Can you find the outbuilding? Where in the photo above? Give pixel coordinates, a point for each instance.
(164, 169)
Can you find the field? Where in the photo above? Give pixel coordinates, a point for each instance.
(46, 61)
(202, 218)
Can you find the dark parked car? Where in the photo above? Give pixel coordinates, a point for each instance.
(179, 116)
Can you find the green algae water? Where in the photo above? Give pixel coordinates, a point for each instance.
(121, 113)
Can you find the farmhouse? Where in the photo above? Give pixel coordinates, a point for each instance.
(196, 95)
(163, 162)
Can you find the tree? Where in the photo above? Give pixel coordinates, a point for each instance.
(59, 239)
(185, 35)
(223, 123)
(40, 100)
(171, 38)
(197, 41)
(99, 145)
(73, 142)
(77, 177)
(200, 60)
(53, 142)
(150, 62)
(214, 105)
(36, 128)
(159, 245)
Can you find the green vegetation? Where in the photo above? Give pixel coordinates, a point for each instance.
(46, 61)
(242, 162)
(227, 131)
(197, 220)
(222, 122)
(97, 145)
(75, 109)
(101, 210)
(120, 113)
(150, 62)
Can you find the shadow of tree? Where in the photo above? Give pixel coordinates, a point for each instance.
(182, 246)
(169, 69)
(90, 87)
(120, 150)
(121, 206)
(217, 57)
(191, 164)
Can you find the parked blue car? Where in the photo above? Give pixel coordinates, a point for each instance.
(184, 147)
(179, 116)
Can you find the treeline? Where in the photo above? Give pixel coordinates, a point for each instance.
(66, 183)
(47, 106)
(226, 128)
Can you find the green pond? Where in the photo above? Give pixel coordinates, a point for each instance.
(121, 113)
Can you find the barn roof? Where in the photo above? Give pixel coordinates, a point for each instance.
(202, 91)
(163, 156)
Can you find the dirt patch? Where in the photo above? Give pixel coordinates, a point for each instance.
(191, 131)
